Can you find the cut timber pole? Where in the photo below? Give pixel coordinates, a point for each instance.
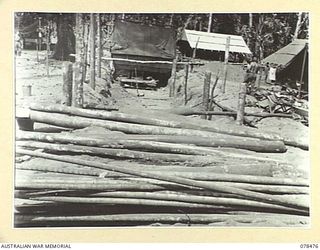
(99, 48)
(206, 93)
(67, 84)
(210, 23)
(77, 88)
(48, 49)
(241, 103)
(212, 186)
(302, 70)
(85, 51)
(92, 51)
(186, 84)
(226, 58)
(173, 76)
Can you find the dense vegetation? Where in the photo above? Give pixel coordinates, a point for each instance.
(263, 32)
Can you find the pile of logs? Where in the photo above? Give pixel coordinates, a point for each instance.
(120, 169)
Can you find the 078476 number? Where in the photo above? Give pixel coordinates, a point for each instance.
(309, 245)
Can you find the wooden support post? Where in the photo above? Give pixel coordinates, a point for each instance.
(48, 49)
(99, 47)
(225, 70)
(77, 88)
(92, 51)
(241, 104)
(302, 71)
(186, 84)
(206, 93)
(210, 23)
(85, 56)
(173, 76)
(195, 49)
(67, 84)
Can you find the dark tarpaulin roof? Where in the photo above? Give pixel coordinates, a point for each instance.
(141, 40)
(286, 55)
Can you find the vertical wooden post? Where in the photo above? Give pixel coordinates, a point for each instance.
(241, 103)
(206, 93)
(172, 87)
(186, 68)
(99, 48)
(77, 86)
(195, 49)
(67, 84)
(302, 70)
(210, 23)
(48, 49)
(226, 58)
(92, 51)
(85, 56)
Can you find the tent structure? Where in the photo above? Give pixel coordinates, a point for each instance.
(142, 42)
(206, 42)
(292, 61)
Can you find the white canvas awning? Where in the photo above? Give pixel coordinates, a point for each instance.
(215, 41)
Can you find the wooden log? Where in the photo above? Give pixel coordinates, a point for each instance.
(126, 154)
(92, 51)
(186, 124)
(208, 175)
(92, 186)
(176, 196)
(175, 180)
(190, 111)
(67, 84)
(169, 144)
(226, 60)
(206, 93)
(77, 86)
(250, 219)
(117, 143)
(241, 103)
(186, 84)
(126, 201)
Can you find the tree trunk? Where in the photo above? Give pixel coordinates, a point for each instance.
(296, 32)
(66, 40)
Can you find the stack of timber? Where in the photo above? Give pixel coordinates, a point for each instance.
(120, 169)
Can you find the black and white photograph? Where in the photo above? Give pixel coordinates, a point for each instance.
(161, 120)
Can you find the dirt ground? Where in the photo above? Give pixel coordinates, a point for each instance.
(48, 90)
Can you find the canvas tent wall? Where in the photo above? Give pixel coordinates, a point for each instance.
(142, 42)
(289, 60)
(212, 44)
